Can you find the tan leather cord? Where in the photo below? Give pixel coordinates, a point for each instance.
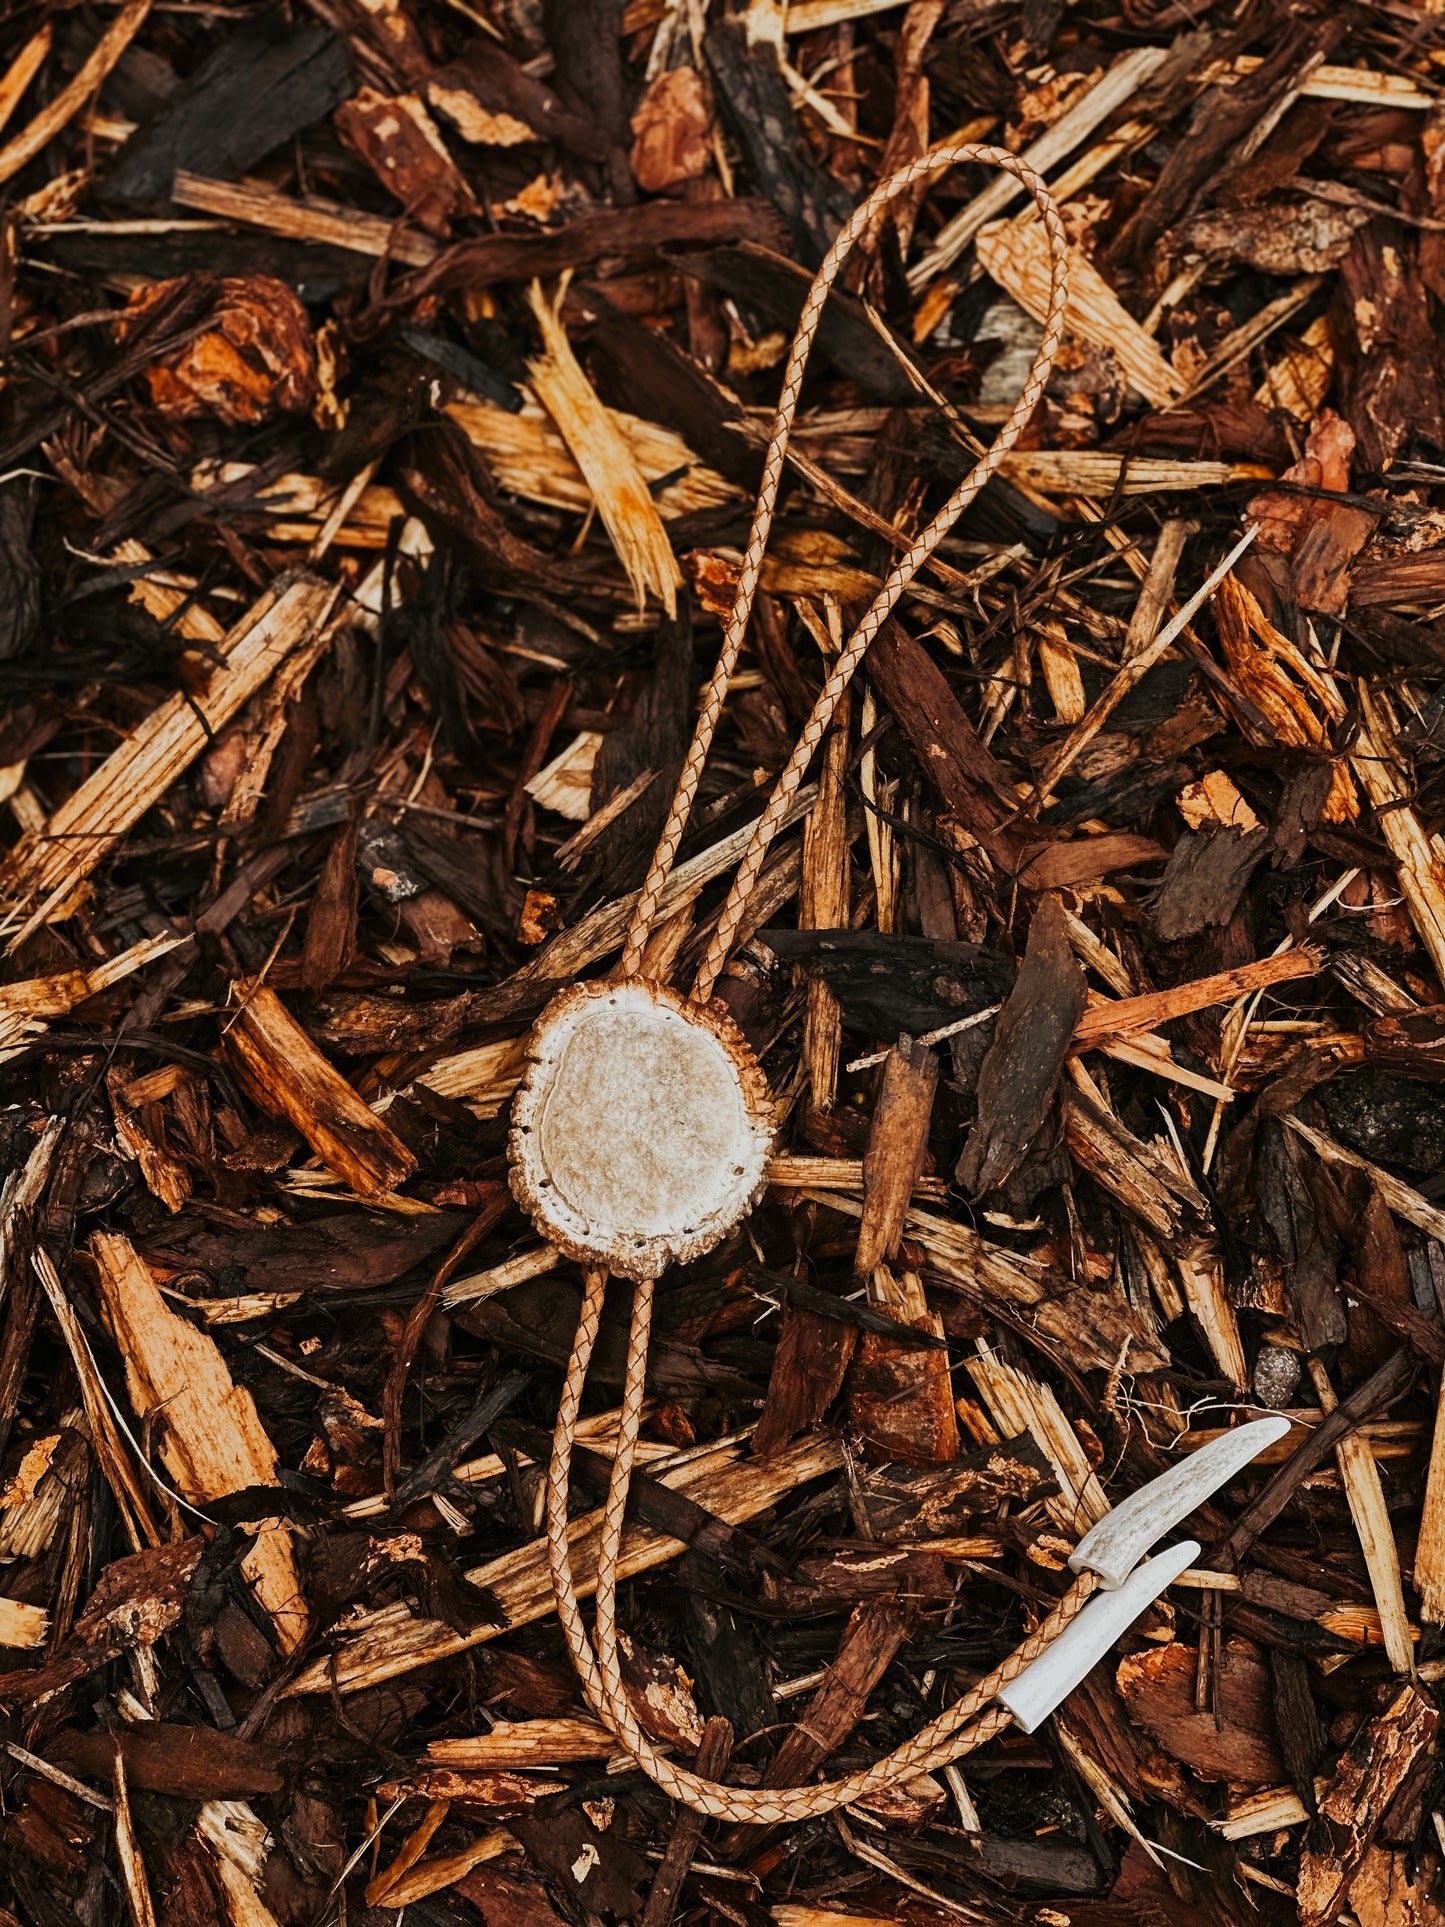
(970, 1720)
(903, 572)
(944, 1739)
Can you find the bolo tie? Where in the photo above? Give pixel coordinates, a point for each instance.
(640, 1136)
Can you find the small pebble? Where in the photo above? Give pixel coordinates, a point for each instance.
(1276, 1374)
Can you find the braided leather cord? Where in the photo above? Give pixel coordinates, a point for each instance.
(904, 570)
(959, 1728)
(944, 1739)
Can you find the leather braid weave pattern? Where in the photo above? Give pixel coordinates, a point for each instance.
(903, 572)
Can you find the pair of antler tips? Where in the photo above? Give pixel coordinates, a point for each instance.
(1040, 1688)
(1113, 1548)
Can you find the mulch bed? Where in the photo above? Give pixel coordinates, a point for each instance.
(385, 391)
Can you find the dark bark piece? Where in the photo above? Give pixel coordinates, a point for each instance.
(1240, 1744)
(435, 1468)
(188, 1762)
(965, 775)
(759, 109)
(340, 1252)
(1205, 878)
(461, 866)
(828, 1582)
(1308, 235)
(538, 1319)
(809, 1365)
(1031, 1041)
(1305, 1241)
(507, 1900)
(889, 985)
(22, 1311)
(840, 1310)
(424, 627)
(534, 756)
(260, 86)
(650, 375)
(288, 769)
(728, 1665)
(1322, 558)
(1286, 1596)
(1306, 791)
(1354, 1807)
(711, 1764)
(900, 1396)
(446, 479)
(1390, 1119)
(661, 1694)
(1065, 866)
(356, 1020)
(588, 1868)
(1302, 1739)
(653, 736)
(1218, 141)
(1391, 382)
(897, 1147)
(1379, 1262)
(136, 1600)
(395, 136)
(331, 922)
(317, 272)
(1279, 160)
(20, 575)
(1047, 1867)
(585, 37)
(871, 1638)
(1424, 1334)
(1398, 579)
(636, 233)
(487, 86)
(771, 280)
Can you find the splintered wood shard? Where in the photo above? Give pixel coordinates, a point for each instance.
(27, 1006)
(1018, 1402)
(1419, 854)
(627, 510)
(286, 1074)
(1105, 97)
(1430, 1550)
(211, 1440)
(80, 88)
(49, 864)
(1017, 257)
(897, 1146)
(1130, 1014)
